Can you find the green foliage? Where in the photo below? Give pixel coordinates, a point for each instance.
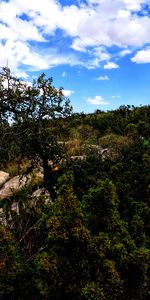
(138, 274)
(102, 205)
(31, 109)
(92, 292)
(91, 241)
(9, 264)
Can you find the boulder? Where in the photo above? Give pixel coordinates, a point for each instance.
(3, 177)
(12, 185)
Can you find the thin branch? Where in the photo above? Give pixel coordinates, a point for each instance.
(28, 231)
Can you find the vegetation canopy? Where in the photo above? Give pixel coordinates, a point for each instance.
(78, 229)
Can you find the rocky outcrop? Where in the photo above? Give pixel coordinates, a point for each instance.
(3, 177)
(12, 185)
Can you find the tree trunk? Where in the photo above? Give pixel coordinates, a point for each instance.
(49, 178)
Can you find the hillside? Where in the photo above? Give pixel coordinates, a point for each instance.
(78, 227)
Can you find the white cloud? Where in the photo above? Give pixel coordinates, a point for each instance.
(105, 77)
(14, 27)
(21, 53)
(64, 74)
(142, 56)
(112, 23)
(115, 96)
(110, 65)
(97, 100)
(134, 5)
(101, 53)
(96, 55)
(124, 52)
(17, 32)
(21, 74)
(91, 29)
(68, 93)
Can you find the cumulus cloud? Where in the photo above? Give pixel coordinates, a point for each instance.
(22, 53)
(142, 56)
(89, 28)
(97, 100)
(112, 23)
(105, 77)
(110, 65)
(124, 52)
(68, 93)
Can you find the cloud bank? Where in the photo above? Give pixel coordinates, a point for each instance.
(38, 35)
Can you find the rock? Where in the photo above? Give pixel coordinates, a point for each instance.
(12, 185)
(15, 207)
(41, 192)
(3, 177)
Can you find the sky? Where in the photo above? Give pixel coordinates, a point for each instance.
(97, 50)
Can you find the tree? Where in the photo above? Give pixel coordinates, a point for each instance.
(101, 204)
(63, 268)
(32, 112)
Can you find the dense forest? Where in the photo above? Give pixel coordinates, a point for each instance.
(90, 238)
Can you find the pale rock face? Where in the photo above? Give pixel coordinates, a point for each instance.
(15, 207)
(3, 177)
(12, 185)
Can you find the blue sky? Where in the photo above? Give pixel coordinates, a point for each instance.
(98, 50)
